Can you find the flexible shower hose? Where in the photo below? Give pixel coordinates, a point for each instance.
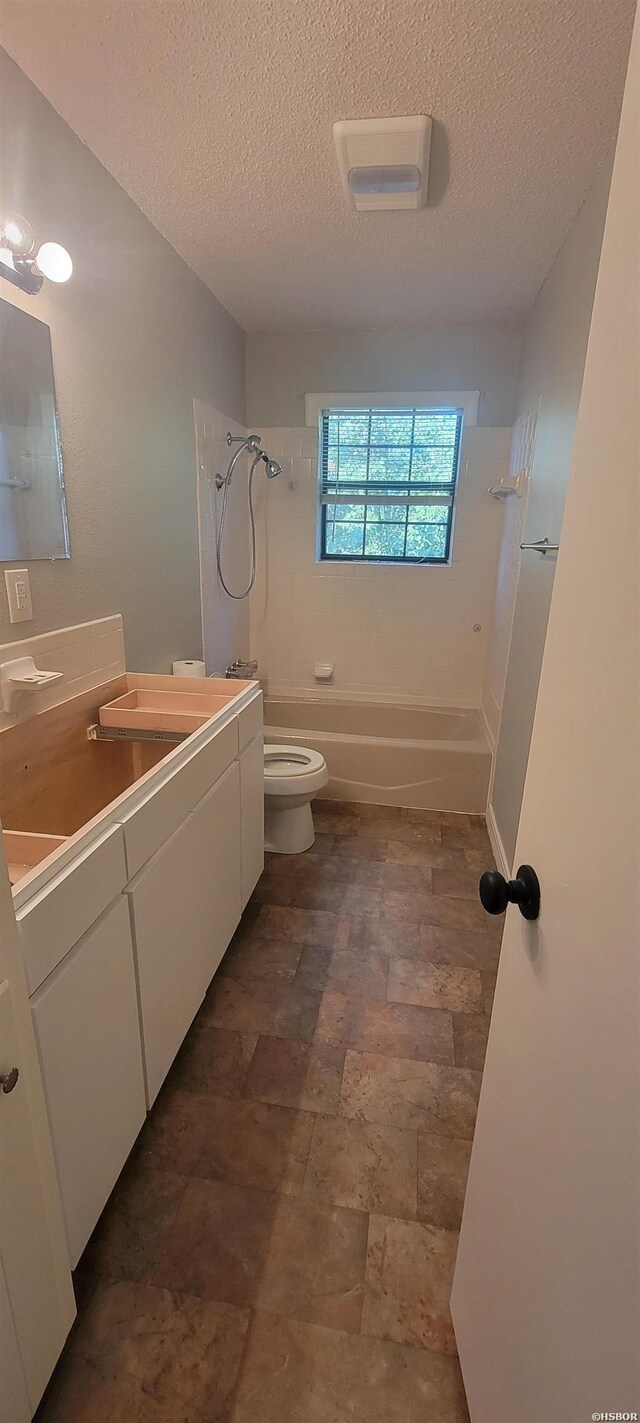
(220, 534)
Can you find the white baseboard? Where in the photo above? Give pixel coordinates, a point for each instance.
(496, 844)
(487, 730)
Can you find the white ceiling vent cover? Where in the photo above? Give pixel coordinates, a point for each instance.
(384, 163)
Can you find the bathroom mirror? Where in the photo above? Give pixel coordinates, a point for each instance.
(33, 514)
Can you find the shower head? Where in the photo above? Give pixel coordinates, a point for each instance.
(273, 468)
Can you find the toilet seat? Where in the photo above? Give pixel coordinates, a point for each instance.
(293, 770)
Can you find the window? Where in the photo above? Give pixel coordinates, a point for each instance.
(387, 484)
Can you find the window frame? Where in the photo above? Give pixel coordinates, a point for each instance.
(460, 405)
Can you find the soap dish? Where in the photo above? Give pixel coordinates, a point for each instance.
(22, 675)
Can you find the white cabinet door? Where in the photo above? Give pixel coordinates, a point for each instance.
(546, 1301)
(252, 814)
(14, 1403)
(186, 905)
(27, 1263)
(88, 1034)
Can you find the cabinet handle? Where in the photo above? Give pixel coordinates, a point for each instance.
(9, 1079)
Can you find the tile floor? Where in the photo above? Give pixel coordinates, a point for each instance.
(280, 1245)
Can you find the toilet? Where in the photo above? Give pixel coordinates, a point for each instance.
(293, 775)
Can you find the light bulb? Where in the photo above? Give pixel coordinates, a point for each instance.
(54, 262)
(17, 235)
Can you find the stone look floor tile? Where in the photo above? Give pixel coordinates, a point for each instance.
(303, 1373)
(300, 1258)
(408, 1283)
(131, 1229)
(468, 948)
(336, 825)
(397, 1029)
(322, 858)
(305, 1119)
(168, 1355)
(363, 847)
(304, 926)
(479, 858)
(363, 1165)
(456, 883)
(424, 857)
(233, 1140)
(99, 1391)
(309, 892)
(418, 1095)
(363, 974)
(213, 1060)
(435, 986)
(302, 1075)
(470, 1034)
(366, 810)
(462, 830)
(381, 875)
(361, 899)
(408, 904)
(273, 960)
(452, 913)
(392, 936)
(488, 981)
(249, 1006)
(443, 1167)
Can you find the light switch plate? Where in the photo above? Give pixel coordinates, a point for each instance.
(18, 594)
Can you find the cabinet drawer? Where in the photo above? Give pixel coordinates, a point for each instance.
(88, 1033)
(53, 921)
(157, 818)
(250, 721)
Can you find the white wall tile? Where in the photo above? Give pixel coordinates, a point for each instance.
(87, 654)
(390, 631)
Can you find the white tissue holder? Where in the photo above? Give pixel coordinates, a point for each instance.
(22, 676)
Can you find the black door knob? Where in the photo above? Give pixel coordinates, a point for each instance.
(496, 892)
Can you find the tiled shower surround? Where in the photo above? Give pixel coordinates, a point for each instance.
(280, 1245)
(400, 632)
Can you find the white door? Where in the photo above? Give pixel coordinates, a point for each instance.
(545, 1298)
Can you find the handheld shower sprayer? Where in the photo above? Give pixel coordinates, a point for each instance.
(253, 445)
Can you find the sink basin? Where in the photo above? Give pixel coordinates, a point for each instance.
(150, 709)
(24, 851)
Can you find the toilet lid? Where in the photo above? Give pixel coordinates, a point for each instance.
(291, 761)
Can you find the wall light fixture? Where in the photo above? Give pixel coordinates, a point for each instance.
(25, 266)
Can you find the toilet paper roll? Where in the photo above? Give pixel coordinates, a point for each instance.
(189, 668)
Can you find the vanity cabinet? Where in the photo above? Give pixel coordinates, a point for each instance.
(185, 906)
(123, 929)
(85, 1016)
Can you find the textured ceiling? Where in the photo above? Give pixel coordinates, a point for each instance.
(216, 117)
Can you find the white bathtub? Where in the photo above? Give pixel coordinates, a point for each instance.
(428, 758)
